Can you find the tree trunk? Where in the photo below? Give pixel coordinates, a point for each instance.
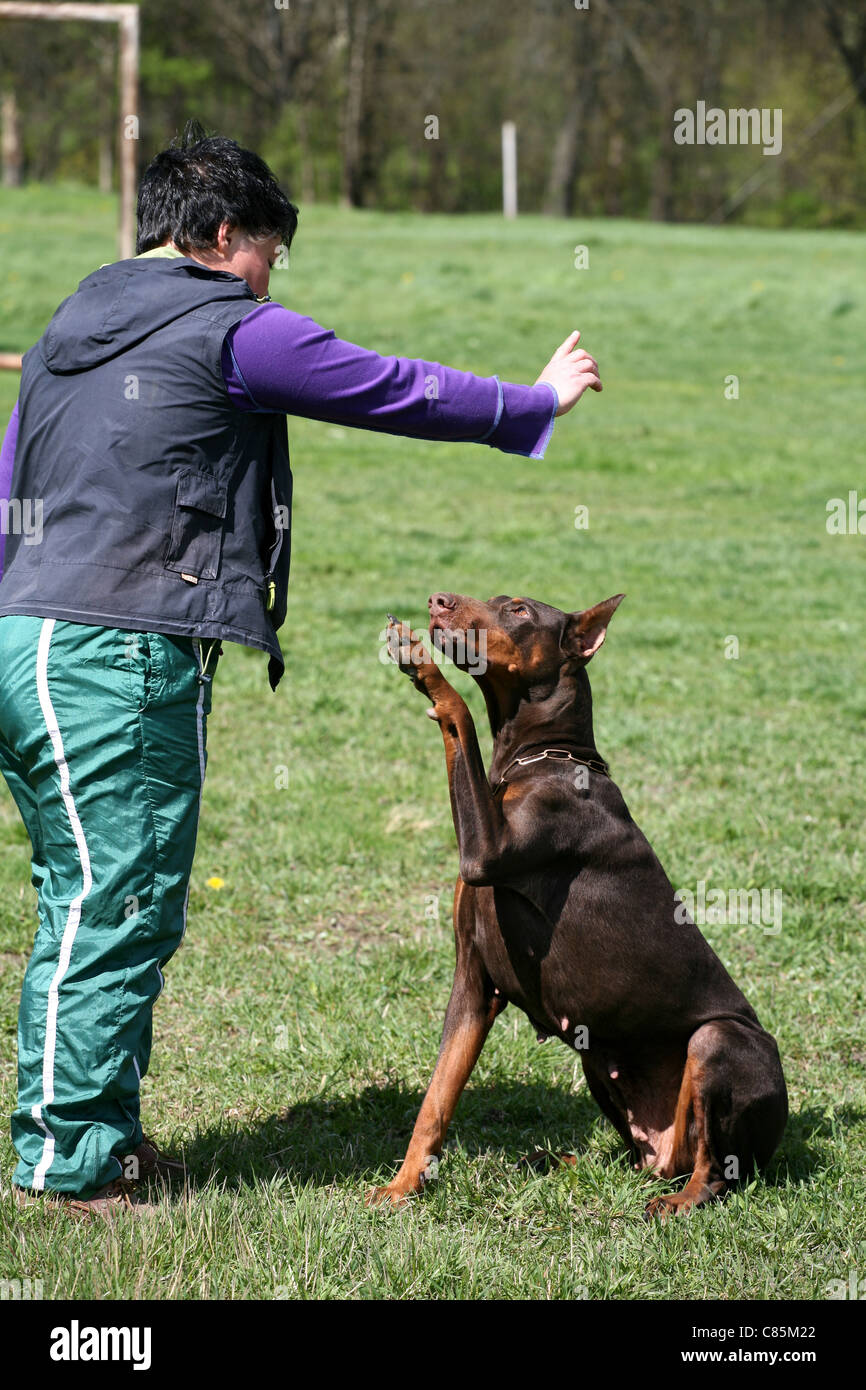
(437, 190)
(565, 163)
(305, 162)
(847, 29)
(612, 173)
(106, 161)
(357, 25)
(10, 142)
(662, 185)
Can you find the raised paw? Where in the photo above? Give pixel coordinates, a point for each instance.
(414, 660)
(407, 652)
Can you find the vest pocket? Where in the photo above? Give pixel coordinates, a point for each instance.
(197, 526)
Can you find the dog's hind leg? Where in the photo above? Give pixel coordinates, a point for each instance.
(731, 1112)
(599, 1092)
(472, 1010)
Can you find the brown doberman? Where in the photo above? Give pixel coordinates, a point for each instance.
(563, 909)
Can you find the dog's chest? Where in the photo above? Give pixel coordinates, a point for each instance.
(521, 946)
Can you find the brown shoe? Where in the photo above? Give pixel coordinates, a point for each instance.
(147, 1162)
(120, 1195)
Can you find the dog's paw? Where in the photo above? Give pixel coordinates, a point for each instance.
(674, 1203)
(660, 1208)
(407, 652)
(389, 1196)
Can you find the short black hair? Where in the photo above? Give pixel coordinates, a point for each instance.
(202, 180)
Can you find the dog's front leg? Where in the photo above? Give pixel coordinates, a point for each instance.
(478, 817)
(472, 1009)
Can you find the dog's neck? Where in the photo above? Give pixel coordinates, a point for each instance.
(555, 714)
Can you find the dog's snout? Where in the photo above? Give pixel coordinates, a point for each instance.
(441, 603)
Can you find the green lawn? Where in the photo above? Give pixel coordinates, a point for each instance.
(301, 1018)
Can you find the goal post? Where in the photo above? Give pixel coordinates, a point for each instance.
(126, 18)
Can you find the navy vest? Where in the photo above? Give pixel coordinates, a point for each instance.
(164, 508)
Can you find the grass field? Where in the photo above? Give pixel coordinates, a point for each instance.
(301, 1018)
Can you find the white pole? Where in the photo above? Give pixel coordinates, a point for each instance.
(128, 74)
(509, 168)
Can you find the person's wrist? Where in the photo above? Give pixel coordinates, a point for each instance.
(560, 408)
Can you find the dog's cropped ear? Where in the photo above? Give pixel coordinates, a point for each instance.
(584, 632)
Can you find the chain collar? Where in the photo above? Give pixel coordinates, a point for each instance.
(561, 755)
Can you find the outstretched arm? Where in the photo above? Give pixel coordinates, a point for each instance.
(277, 360)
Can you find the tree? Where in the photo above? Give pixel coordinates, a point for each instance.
(846, 25)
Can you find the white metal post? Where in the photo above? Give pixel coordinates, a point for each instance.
(509, 169)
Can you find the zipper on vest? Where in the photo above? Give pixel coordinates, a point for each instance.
(276, 548)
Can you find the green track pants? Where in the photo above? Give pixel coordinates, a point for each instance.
(102, 744)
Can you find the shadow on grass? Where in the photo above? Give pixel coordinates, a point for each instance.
(361, 1136)
(808, 1144)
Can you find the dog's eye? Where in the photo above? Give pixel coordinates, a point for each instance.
(520, 609)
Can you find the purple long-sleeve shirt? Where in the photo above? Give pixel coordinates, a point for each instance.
(7, 461)
(277, 360)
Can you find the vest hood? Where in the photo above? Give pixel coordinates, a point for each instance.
(121, 304)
